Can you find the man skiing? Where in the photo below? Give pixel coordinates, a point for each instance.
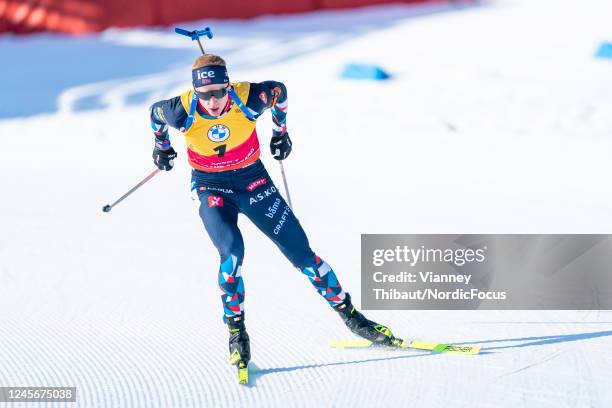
(218, 119)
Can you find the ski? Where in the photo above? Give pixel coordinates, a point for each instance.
(243, 368)
(243, 373)
(412, 344)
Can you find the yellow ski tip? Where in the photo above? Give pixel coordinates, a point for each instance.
(444, 348)
(452, 349)
(243, 374)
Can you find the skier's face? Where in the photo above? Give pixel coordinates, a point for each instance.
(213, 97)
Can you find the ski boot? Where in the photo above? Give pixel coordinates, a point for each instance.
(377, 333)
(239, 348)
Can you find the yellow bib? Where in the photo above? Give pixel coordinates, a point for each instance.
(224, 143)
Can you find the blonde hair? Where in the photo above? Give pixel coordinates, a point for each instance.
(207, 59)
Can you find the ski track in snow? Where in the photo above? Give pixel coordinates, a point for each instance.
(490, 128)
(537, 363)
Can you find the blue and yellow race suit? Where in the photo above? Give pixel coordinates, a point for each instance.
(229, 179)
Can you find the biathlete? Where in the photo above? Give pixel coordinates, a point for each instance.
(217, 118)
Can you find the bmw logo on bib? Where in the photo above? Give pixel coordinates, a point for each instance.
(218, 133)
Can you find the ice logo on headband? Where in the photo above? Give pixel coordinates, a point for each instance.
(212, 74)
(206, 74)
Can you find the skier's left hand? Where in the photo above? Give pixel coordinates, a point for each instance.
(280, 145)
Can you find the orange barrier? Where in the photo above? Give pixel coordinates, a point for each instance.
(86, 16)
(72, 16)
(169, 13)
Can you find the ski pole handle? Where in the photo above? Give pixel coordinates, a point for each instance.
(108, 207)
(195, 35)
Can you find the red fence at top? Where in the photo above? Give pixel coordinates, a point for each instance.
(85, 16)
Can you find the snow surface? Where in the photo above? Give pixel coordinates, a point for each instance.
(498, 120)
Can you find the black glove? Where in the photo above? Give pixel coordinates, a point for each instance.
(280, 146)
(164, 159)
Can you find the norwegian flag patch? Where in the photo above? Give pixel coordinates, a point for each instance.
(215, 201)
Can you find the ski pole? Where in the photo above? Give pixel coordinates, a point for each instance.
(195, 36)
(108, 207)
(285, 183)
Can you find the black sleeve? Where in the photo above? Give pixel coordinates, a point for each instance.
(169, 112)
(267, 94)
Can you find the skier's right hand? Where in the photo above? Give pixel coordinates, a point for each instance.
(164, 159)
(280, 145)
